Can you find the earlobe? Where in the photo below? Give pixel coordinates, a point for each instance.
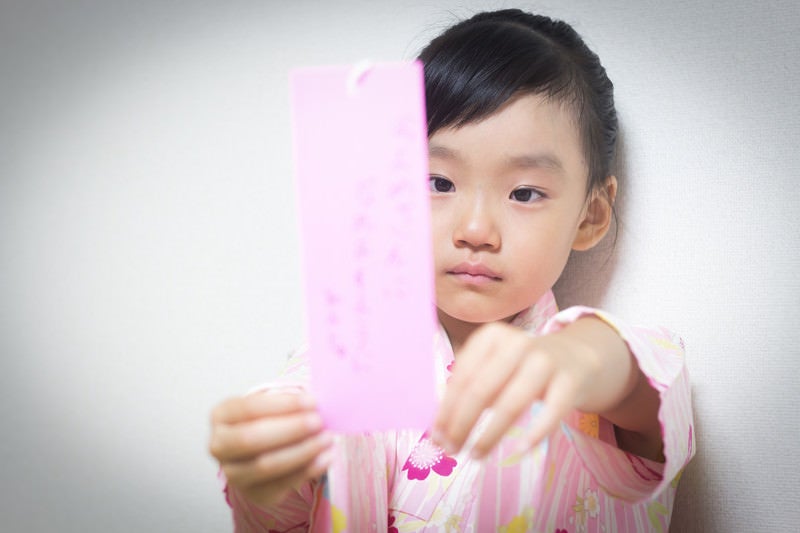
(597, 216)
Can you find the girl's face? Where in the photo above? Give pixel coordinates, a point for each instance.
(508, 197)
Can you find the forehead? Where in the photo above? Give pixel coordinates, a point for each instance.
(529, 128)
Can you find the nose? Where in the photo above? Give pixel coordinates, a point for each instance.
(476, 226)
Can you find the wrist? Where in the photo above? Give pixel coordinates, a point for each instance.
(611, 375)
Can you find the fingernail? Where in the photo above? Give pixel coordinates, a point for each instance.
(324, 439)
(323, 460)
(306, 401)
(521, 447)
(438, 438)
(449, 448)
(313, 421)
(476, 454)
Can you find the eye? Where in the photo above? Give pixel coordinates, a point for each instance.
(525, 195)
(439, 184)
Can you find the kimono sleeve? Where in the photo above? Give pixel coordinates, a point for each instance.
(660, 356)
(295, 512)
(292, 515)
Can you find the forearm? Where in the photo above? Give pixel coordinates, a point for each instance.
(619, 391)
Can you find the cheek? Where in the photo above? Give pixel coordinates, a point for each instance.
(440, 232)
(560, 250)
(544, 251)
(562, 226)
(559, 241)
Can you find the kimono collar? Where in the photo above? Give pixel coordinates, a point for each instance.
(532, 320)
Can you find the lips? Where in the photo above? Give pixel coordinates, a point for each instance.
(474, 273)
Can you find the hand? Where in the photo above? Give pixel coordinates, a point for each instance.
(502, 368)
(269, 443)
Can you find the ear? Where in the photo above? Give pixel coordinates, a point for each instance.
(596, 216)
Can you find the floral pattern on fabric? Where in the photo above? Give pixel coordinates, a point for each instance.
(655, 511)
(520, 523)
(338, 519)
(586, 507)
(582, 483)
(426, 456)
(589, 424)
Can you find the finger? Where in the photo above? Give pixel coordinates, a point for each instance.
(470, 359)
(481, 338)
(527, 385)
(248, 439)
(462, 373)
(252, 406)
(558, 402)
(501, 364)
(278, 463)
(477, 345)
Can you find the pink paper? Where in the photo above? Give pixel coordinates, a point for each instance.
(361, 165)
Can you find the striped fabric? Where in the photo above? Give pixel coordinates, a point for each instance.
(577, 481)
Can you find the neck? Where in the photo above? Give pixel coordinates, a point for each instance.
(458, 331)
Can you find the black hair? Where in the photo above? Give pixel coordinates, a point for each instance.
(477, 65)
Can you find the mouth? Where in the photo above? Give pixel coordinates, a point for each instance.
(474, 273)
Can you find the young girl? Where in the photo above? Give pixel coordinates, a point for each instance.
(522, 129)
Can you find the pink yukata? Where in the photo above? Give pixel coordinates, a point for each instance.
(579, 481)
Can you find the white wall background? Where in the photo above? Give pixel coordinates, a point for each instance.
(148, 249)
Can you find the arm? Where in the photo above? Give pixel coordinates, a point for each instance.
(658, 355)
(633, 376)
(619, 392)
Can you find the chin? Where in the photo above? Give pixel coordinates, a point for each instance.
(478, 308)
(473, 315)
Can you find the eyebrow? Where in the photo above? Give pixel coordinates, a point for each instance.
(543, 160)
(437, 150)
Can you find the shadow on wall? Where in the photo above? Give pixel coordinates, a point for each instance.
(588, 275)
(692, 510)
(586, 280)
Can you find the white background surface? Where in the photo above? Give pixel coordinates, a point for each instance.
(149, 257)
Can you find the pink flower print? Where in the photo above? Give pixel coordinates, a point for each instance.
(450, 371)
(426, 456)
(392, 529)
